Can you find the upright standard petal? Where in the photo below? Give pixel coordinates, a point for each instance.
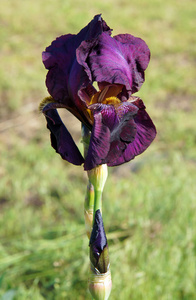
(121, 59)
(60, 59)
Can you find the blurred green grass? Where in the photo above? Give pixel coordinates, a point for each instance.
(149, 204)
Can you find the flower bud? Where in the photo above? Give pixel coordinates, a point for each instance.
(100, 282)
(99, 254)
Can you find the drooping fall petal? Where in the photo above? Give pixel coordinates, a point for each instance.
(99, 144)
(61, 139)
(145, 134)
(119, 133)
(113, 128)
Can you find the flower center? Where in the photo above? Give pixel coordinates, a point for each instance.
(108, 95)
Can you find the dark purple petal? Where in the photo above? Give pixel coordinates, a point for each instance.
(81, 115)
(145, 134)
(99, 143)
(61, 139)
(140, 50)
(113, 128)
(123, 133)
(65, 75)
(98, 245)
(122, 59)
(119, 133)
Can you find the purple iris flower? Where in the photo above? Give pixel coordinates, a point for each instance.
(119, 124)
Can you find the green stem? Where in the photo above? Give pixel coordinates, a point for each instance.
(97, 176)
(89, 199)
(97, 201)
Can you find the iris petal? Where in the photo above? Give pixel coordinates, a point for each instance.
(119, 133)
(99, 143)
(61, 139)
(145, 134)
(121, 60)
(113, 128)
(123, 131)
(65, 75)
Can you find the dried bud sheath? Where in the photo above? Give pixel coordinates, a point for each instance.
(88, 209)
(100, 285)
(98, 176)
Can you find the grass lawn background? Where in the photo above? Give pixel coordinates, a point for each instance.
(149, 204)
